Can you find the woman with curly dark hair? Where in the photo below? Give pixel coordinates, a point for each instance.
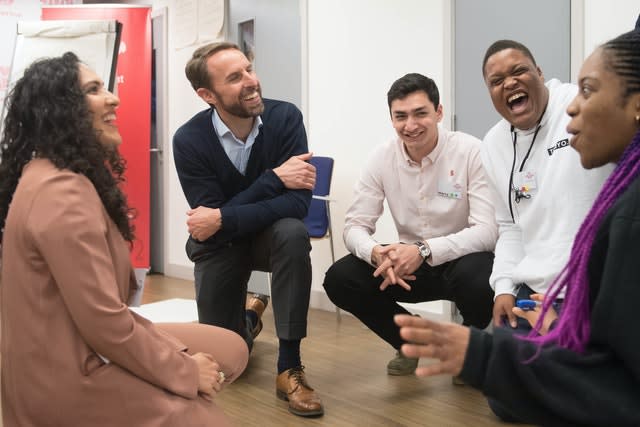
(72, 351)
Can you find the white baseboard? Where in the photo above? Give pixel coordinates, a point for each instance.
(320, 300)
(179, 271)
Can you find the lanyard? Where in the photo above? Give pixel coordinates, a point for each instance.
(518, 193)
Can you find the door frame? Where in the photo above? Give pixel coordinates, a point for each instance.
(159, 235)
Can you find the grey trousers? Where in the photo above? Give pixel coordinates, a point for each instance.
(221, 278)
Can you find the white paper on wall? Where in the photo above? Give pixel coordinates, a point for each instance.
(185, 18)
(91, 40)
(11, 11)
(210, 20)
(197, 21)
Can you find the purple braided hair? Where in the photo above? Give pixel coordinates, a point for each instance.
(573, 326)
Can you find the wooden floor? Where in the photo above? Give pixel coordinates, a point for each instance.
(346, 364)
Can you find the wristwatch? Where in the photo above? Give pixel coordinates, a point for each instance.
(424, 250)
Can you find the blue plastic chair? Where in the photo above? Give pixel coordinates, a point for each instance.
(318, 220)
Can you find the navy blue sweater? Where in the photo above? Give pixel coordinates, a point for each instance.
(248, 203)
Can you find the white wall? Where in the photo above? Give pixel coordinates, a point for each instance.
(355, 50)
(603, 20)
(183, 103)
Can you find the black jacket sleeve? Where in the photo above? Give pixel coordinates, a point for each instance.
(600, 387)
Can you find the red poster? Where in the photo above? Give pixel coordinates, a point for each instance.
(133, 76)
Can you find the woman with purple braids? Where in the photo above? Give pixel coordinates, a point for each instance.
(584, 370)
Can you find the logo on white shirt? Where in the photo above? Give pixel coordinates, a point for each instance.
(560, 144)
(448, 189)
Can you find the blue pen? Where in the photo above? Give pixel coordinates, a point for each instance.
(528, 304)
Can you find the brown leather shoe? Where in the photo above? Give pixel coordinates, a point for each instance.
(257, 303)
(292, 386)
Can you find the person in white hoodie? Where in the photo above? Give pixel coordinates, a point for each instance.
(541, 192)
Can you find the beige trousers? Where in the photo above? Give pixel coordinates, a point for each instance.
(226, 347)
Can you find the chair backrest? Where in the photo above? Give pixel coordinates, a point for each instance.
(318, 220)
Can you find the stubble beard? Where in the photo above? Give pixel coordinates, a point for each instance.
(239, 110)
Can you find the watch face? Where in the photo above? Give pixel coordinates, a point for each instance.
(424, 250)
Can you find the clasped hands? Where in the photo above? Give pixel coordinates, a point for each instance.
(295, 173)
(396, 263)
(210, 377)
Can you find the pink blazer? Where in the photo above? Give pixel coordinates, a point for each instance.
(66, 278)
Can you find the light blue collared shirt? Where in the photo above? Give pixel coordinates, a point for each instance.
(237, 150)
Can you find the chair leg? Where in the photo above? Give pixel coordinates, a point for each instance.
(333, 257)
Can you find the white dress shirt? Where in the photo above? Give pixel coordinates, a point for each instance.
(444, 200)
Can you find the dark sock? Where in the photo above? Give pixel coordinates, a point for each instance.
(288, 355)
(252, 318)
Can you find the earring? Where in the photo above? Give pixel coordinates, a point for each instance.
(638, 119)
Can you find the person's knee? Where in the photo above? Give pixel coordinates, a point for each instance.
(290, 237)
(241, 356)
(338, 279)
(333, 279)
(231, 351)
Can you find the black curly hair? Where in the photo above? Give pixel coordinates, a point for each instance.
(48, 117)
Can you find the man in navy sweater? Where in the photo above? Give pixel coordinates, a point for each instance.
(243, 167)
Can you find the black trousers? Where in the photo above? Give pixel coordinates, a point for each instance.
(351, 286)
(221, 278)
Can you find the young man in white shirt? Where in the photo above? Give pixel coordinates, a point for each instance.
(541, 192)
(438, 195)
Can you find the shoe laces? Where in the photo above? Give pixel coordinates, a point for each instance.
(298, 375)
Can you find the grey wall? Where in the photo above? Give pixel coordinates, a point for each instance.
(277, 36)
(480, 23)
